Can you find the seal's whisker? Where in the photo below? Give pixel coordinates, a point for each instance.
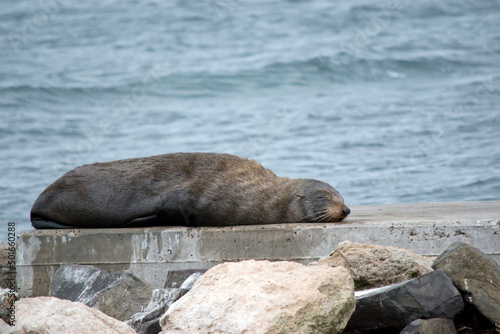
(315, 215)
(312, 215)
(307, 217)
(326, 215)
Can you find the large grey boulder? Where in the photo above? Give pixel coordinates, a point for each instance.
(476, 274)
(49, 315)
(374, 266)
(429, 296)
(430, 326)
(264, 297)
(119, 295)
(148, 321)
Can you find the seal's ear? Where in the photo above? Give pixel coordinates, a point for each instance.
(301, 195)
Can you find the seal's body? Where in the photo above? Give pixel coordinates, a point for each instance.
(194, 189)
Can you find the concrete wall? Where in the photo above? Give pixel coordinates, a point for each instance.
(151, 253)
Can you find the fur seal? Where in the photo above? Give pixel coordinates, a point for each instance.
(193, 189)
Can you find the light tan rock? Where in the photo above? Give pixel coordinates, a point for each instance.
(4, 327)
(4, 266)
(49, 315)
(264, 297)
(374, 266)
(430, 326)
(7, 299)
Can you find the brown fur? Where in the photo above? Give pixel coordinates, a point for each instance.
(197, 189)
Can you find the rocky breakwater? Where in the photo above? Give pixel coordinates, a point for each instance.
(358, 288)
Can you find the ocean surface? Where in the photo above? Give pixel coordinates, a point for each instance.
(388, 101)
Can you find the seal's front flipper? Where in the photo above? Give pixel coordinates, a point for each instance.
(147, 221)
(40, 223)
(169, 218)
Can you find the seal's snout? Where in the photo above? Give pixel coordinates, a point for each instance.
(346, 211)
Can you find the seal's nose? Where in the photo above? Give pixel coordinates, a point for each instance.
(346, 211)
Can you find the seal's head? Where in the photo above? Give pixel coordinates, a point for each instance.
(321, 202)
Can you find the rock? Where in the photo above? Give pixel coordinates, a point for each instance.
(476, 274)
(124, 298)
(81, 283)
(177, 278)
(430, 326)
(48, 315)
(429, 296)
(3, 264)
(264, 297)
(469, 320)
(119, 295)
(7, 278)
(4, 327)
(373, 266)
(148, 321)
(7, 300)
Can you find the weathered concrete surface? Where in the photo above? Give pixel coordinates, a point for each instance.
(150, 253)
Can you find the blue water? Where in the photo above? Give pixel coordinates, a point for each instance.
(389, 102)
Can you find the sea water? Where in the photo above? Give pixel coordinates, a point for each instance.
(388, 101)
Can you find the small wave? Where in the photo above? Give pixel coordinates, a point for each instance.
(47, 90)
(350, 145)
(482, 182)
(340, 68)
(344, 68)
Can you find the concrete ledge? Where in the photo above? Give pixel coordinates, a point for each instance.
(151, 253)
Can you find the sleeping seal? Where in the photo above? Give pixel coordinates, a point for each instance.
(193, 189)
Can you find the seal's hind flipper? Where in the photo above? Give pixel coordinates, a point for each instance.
(40, 223)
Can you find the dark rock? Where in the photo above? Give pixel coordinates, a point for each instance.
(176, 278)
(474, 273)
(119, 295)
(430, 326)
(429, 296)
(147, 321)
(470, 321)
(81, 283)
